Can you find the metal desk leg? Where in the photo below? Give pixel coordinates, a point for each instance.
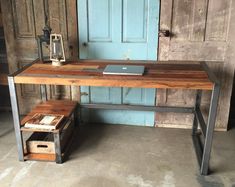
(57, 148)
(16, 118)
(210, 130)
(197, 104)
(43, 90)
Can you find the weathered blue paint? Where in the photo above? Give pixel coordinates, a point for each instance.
(119, 29)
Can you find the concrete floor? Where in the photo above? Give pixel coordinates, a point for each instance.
(121, 156)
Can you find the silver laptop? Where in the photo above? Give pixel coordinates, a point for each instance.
(123, 70)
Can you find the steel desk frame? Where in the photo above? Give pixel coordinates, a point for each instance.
(206, 129)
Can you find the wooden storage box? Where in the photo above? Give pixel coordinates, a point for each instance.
(43, 142)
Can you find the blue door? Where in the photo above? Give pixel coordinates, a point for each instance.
(124, 30)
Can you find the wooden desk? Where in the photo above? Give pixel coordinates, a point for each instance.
(90, 74)
(157, 75)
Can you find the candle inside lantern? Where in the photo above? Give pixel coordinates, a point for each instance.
(56, 50)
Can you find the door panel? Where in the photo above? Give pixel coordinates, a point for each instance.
(135, 16)
(99, 16)
(100, 95)
(118, 29)
(138, 96)
(105, 95)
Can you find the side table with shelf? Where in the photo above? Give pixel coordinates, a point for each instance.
(56, 148)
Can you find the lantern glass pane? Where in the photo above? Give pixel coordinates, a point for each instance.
(56, 49)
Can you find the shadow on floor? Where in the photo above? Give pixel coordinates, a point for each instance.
(6, 123)
(87, 137)
(6, 132)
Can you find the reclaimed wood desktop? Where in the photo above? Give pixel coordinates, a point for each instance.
(169, 75)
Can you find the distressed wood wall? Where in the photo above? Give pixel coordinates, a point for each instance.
(23, 20)
(201, 31)
(4, 93)
(0, 16)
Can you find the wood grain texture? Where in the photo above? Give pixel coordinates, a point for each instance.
(23, 16)
(199, 20)
(63, 107)
(227, 75)
(198, 30)
(23, 21)
(187, 76)
(201, 37)
(165, 24)
(0, 16)
(181, 19)
(3, 79)
(218, 20)
(28, 95)
(40, 157)
(198, 51)
(73, 49)
(41, 143)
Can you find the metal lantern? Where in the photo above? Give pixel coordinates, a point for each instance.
(56, 49)
(43, 39)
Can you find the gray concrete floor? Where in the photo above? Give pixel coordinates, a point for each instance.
(121, 156)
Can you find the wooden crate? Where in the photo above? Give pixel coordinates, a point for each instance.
(43, 142)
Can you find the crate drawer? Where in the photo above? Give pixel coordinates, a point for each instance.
(43, 142)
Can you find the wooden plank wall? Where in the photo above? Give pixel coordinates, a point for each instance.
(0, 16)
(199, 31)
(23, 21)
(4, 93)
(228, 73)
